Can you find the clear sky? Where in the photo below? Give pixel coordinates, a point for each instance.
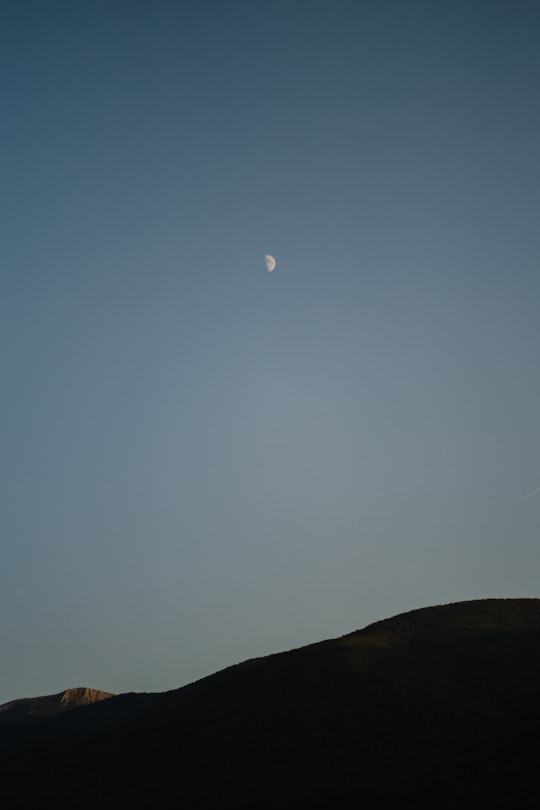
(201, 461)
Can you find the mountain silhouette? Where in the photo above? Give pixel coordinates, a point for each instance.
(438, 707)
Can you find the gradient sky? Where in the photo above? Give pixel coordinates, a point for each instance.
(202, 462)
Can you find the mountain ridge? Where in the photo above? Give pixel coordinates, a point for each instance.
(438, 705)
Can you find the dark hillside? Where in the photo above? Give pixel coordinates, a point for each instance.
(437, 707)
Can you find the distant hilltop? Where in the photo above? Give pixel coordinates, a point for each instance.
(48, 705)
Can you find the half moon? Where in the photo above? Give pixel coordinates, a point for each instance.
(270, 263)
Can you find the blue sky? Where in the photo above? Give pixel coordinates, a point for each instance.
(203, 462)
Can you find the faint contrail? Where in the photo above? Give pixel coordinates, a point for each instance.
(530, 494)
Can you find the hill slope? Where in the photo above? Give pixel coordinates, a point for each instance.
(438, 707)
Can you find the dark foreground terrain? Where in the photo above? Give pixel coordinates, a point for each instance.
(437, 708)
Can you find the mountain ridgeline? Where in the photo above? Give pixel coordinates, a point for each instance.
(438, 707)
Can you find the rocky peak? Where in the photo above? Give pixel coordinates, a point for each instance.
(52, 704)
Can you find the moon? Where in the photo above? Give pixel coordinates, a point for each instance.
(270, 263)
